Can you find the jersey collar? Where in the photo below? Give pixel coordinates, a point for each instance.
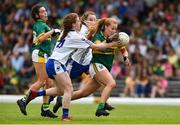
(40, 20)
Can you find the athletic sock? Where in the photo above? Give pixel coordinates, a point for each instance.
(24, 98)
(51, 98)
(41, 93)
(101, 106)
(45, 106)
(65, 112)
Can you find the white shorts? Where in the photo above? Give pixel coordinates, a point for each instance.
(38, 56)
(95, 68)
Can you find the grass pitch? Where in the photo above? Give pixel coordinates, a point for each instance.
(85, 114)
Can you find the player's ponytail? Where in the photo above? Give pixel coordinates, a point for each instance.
(67, 23)
(101, 25)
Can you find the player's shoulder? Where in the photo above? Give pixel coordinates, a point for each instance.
(74, 35)
(98, 36)
(40, 24)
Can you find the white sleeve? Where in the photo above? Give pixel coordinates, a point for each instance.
(84, 30)
(78, 41)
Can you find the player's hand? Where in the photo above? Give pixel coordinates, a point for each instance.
(56, 32)
(113, 37)
(127, 61)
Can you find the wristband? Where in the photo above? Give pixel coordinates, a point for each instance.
(125, 58)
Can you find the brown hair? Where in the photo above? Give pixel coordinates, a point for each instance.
(67, 23)
(86, 14)
(35, 11)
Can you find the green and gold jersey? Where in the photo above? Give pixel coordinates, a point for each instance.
(39, 28)
(104, 57)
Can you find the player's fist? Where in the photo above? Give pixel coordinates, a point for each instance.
(56, 32)
(113, 37)
(127, 61)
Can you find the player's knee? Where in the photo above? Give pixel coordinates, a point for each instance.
(112, 84)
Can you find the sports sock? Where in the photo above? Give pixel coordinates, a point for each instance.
(24, 98)
(31, 95)
(41, 93)
(101, 106)
(45, 106)
(51, 98)
(65, 112)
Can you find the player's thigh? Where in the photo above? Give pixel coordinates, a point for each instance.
(100, 73)
(63, 81)
(104, 77)
(59, 71)
(39, 61)
(40, 69)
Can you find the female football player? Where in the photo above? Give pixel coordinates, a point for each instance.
(41, 48)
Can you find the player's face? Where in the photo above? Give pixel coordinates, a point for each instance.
(91, 18)
(43, 14)
(111, 29)
(77, 25)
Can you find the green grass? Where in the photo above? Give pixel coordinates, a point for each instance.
(84, 114)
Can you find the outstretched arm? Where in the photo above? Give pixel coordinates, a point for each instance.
(103, 45)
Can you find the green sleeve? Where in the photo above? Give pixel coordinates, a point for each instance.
(41, 28)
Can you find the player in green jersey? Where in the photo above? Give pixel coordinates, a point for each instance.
(41, 49)
(101, 63)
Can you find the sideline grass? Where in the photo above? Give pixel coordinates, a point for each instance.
(84, 114)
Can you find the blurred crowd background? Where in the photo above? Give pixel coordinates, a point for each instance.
(154, 49)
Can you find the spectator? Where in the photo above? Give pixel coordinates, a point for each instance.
(143, 87)
(161, 35)
(17, 61)
(21, 46)
(159, 89)
(129, 89)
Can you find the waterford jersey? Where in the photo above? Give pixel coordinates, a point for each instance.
(65, 48)
(104, 57)
(84, 30)
(39, 28)
(83, 56)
